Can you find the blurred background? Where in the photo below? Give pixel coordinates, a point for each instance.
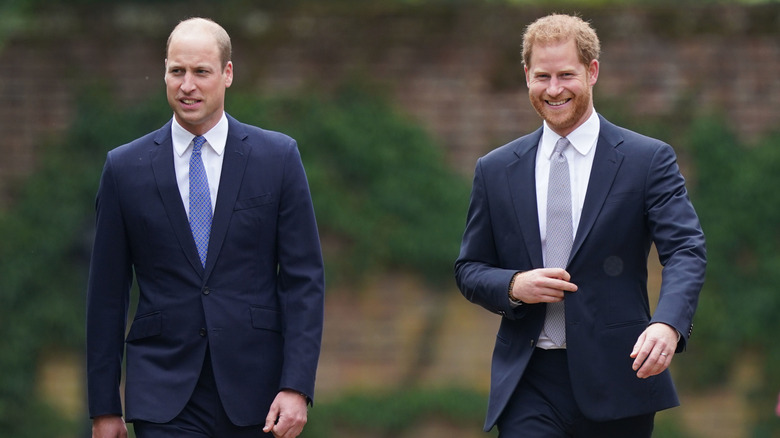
(391, 102)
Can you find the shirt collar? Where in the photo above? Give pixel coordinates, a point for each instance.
(583, 139)
(216, 137)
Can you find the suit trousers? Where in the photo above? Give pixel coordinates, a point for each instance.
(543, 406)
(202, 417)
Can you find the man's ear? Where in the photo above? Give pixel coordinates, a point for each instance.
(593, 72)
(527, 81)
(228, 74)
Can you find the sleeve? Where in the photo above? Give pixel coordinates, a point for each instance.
(680, 242)
(478, 273)
(108, 295)
(301, 284)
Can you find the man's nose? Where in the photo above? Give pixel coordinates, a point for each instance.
(554, 88)
(188, 84)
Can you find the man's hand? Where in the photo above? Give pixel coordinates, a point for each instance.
(109, 426)
(545, 285)
(287, 416)
(654, 350)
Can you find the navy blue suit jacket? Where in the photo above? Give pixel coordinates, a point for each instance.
(258, 304)
(636, 196)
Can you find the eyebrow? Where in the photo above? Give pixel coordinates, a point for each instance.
(172, 65)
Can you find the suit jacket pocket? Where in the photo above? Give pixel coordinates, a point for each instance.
(643, 322)
(266, 319)
(255, 201)
(145, 326)
(624, 196)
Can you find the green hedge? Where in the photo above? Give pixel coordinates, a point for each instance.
(739, 206)
(383, 195)
(44, 257)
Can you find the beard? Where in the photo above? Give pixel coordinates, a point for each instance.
(563, 121)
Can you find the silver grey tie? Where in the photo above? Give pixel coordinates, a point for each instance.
(559, 234)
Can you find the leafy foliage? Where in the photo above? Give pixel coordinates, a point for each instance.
(383, 195)
(43, 262)
(736, 197)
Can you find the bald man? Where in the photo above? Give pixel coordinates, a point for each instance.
(213, 219)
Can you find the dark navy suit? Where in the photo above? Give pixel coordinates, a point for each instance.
(636, 196)
(257, 305)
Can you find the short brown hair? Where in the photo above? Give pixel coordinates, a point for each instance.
(218, 32)
(561, 28)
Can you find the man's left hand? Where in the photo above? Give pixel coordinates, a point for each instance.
(287, 416)
(654, 350)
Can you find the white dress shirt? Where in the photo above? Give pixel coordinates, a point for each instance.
(212, 156)
(580, 159)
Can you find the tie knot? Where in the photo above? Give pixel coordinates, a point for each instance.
(197, 143)
(561, 145)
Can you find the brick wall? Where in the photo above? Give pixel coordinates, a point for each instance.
(455, 69)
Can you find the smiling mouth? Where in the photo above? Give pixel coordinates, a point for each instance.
(189, 101)
(557, 102)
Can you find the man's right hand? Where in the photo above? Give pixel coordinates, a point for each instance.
(544, 285)
(109, 426)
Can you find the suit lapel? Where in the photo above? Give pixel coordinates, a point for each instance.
(522, 173)
(606, 162)
(233, 166)
(161, 156)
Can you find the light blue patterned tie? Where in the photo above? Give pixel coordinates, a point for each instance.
(559, 234)
(200, 200)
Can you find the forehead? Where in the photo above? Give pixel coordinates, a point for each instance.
(193, 47)
(555, 54)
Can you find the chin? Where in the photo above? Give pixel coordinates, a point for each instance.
(559, 123)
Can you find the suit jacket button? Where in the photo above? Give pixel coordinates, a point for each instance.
(203, 332)
(206, 291)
